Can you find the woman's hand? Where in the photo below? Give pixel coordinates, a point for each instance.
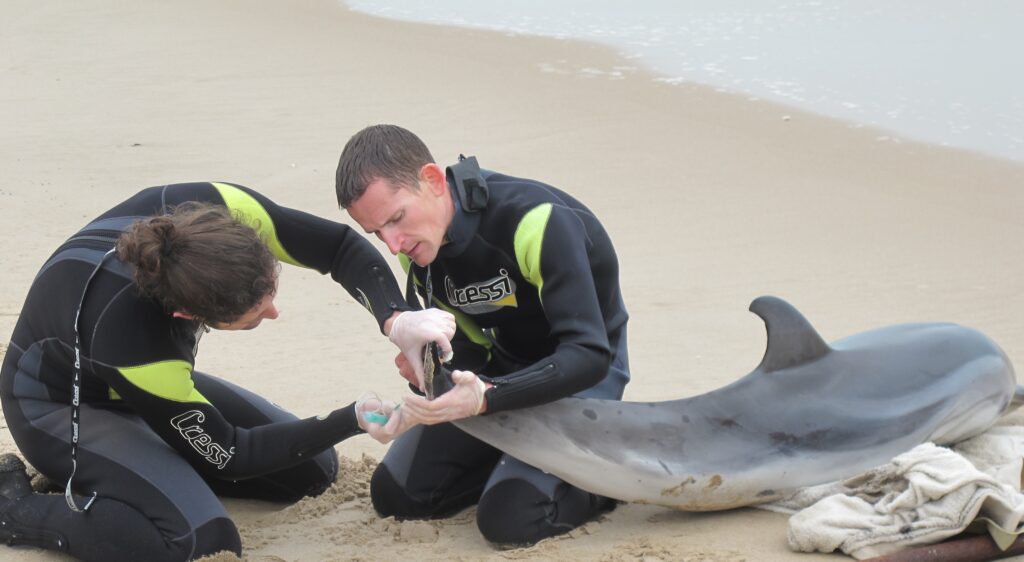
(381, 419)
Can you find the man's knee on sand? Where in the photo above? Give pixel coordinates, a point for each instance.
(509, 515)
(511, 512)
(391, 499)
(514, 512)
(430, 493)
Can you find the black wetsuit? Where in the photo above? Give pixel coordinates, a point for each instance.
(533, 281)
(157, 439)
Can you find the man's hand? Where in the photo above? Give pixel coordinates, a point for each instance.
(412, 330)
(381, 419)
(463, 401)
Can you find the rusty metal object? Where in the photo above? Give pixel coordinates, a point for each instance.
(437, 379)
(975, 548)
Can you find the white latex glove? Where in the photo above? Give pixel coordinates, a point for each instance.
(381, 419)
(412, 330)
(463, 401)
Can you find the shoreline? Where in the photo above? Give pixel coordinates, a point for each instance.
(709, 54)
(711, 200)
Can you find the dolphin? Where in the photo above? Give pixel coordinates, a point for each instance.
(810, 413)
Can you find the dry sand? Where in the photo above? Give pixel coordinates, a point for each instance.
(712, 200)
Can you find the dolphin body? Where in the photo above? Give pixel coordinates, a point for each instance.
(810, 413)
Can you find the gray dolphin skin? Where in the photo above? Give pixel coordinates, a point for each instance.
(810, 413)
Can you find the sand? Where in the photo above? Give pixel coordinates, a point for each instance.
(712, 200)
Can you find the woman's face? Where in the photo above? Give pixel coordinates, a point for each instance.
(264, 310)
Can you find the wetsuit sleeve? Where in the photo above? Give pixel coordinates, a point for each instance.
(164, 395)
(309, 241)
(553, 249)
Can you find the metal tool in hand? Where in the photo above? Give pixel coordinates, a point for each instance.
(437, 379)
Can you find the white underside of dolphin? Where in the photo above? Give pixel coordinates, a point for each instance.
(809, 414)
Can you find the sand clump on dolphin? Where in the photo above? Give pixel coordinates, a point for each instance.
(810, 413)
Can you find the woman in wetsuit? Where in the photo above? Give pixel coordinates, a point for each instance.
(98, 386)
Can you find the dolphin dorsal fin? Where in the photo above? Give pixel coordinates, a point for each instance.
(791, 338)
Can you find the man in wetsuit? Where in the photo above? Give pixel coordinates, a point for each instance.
(532, 278)
(107, 338)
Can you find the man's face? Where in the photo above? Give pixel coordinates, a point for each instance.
(410, 222)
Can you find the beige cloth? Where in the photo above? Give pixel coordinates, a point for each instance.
(922, 496)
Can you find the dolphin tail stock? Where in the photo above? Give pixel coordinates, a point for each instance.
(1018, 397)
(792, 340)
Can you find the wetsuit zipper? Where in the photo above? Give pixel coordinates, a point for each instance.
(533, 379)
(382, 286)
(93, 239)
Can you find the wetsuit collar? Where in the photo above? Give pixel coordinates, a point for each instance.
(461, 231)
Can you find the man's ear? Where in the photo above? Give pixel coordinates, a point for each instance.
(184, 315)
(434, 176)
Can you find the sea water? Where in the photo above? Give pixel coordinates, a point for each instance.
(947, 72)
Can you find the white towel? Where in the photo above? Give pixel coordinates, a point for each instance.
(922, 496)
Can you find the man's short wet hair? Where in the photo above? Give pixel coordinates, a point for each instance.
(386, 152)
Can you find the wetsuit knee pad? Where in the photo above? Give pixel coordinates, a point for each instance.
(217, 535)
(515, 512)
(393, 499)
(390, 499)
